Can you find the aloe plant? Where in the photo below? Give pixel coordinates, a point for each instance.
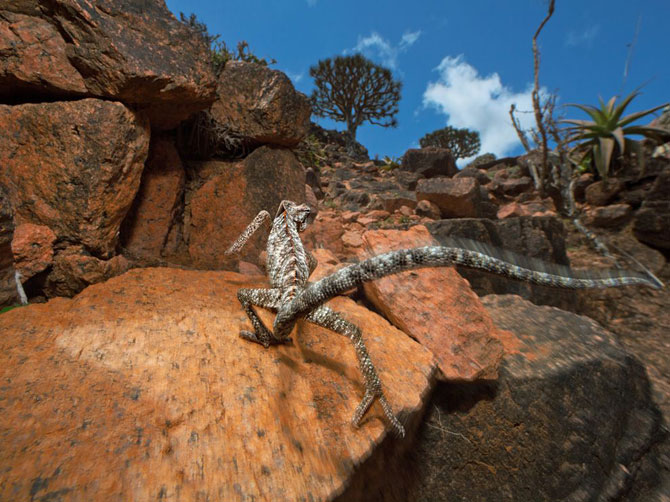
(607, 132)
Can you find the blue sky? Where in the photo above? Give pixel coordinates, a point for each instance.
(461, 62)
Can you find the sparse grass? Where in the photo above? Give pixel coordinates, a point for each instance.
(10, 307)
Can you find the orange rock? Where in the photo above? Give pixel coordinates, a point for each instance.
(157, 201)
(32, 248)
(437, 307)
(261, 104)
(512, 209)
(326, 232)
(74, 167)
(73, 269)
(233, 195)
(140, 389)
(327, 264)
(352, 239)
(74, 49)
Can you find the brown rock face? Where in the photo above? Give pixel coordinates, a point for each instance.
(602, 192)
(131, 51)
(227, 202)
(73, 166)
(456, 197)
(261, 104)
(612, 216)
(74, 269)
(436, 307)
(157, 202)
(35, 59)
(140, 389)
(430, 161)
(32, 248)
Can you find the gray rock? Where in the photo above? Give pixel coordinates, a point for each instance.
(652, 221)
(570, 418)
(429, 162)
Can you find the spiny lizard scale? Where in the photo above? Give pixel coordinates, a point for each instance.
(289, 266)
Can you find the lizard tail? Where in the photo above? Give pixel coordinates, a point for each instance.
(260, 218)
(437, 256)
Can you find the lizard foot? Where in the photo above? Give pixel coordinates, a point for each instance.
(265, 341)
(364, 406)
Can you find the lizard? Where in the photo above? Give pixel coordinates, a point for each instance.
(292, 297)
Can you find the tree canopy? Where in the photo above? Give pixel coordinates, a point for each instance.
(354, 90)
(462, 142)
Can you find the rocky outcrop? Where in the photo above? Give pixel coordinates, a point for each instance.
(74, 167)
(261, 105)
(452, 324)
(158, 204)
(570, 418)
(230, 196)
(429, 162)
(141, 389)
(134, 52)
(456, 197)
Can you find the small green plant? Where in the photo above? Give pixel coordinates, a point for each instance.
(10, 307)
(390, 163)
(462, 142)
(218, 50)
(311, 152)
(604, 137)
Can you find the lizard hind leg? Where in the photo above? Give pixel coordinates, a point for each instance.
(328, 318)
(266, 298)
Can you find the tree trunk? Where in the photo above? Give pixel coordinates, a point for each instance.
(351, 138)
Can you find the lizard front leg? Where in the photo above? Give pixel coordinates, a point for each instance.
(328, 318)
(266, 298)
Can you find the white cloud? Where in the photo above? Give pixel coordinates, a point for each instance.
(295, 77)
(586, 37)
(408, 38)
(478, 103)
(375, 45)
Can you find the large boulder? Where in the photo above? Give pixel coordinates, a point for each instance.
(125, 50)
(570, 418)
(74, 167)
(261, 105)
(232, 194)
(429, 162)
(456, 197)
(534, 238)
(141, 389)
(452, 324)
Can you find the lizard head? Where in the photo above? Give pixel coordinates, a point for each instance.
(298, 213)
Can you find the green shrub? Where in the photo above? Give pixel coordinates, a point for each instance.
(218, 50)
(604, 137)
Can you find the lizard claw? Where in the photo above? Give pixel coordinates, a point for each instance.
(264, 341)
